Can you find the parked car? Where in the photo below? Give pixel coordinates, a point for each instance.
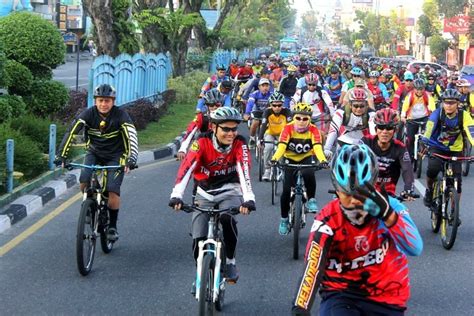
(437, 67)
(467, 72)
(405, 57)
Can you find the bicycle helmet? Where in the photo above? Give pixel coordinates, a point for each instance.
(220, 67)
(311, 78)
(451, 94)
(276, 97)
(386, 117)
(303, 108)
(226, 84)
(357, 71)
(463, 83)
(358, 94)
(213, 96)
(225, 114)
(334, 70)
(419, 84)
(374, 74)
(408, 75)
(105, 91)
(353, 167)
(292, 68)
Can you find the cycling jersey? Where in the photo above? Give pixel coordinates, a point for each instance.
(200, 124)
(367, 262)
(392, 162)
(244, 73)
(298, 146)
(288, 86)
(379, 92)
(212, 82)
(273, 123)
(334, 87)
(216, 172)
(257, 101)
(399, 96)
(233, 70)
(415, 107)
(434, 89)
(467, 101)
(118, 138)
(252, 86)
(448, 135)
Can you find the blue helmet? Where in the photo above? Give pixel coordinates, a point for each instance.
(357, 71)
(408, 75)
(353, 167)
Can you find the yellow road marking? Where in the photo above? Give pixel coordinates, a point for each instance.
(48, 217)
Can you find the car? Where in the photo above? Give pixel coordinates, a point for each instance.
(467, 72)
(405, 57)
(437, 67)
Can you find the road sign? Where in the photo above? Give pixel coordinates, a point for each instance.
(70, 38)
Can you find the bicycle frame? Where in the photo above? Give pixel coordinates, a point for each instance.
(418, 135)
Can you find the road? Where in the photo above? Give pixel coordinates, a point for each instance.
(151, 269)
(66, 73)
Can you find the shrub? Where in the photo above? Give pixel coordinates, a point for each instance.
(20, 78)
(47, 97)
(17, 105)
(4, 79)
(188, 88)
(198, 60)
(28, 158)
(37, 129)
(37, 44)
(5, 110)
(76, 104)
(142, 112)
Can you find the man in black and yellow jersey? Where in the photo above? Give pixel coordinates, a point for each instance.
(111, 140)
(299, 142)
(274, 120)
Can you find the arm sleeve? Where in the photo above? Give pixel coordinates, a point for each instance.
(396, 98)
(250, 104)
(407, 168)
(334, 129)
(186, 170)
(206, 86)
(282, 143)
(405, 106)
(468, 125)
(130, 138)
(187, 140)
(243, 170)
(431, 104)
(77, 125)
(327, 100)
(383, 88)
(263, 127)
(317, 147)
(430, 125)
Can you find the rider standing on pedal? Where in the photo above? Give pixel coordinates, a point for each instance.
(358, 246)
(111, 140)
(445, 133)
(392, 155)
(219, 161)
(299, 142)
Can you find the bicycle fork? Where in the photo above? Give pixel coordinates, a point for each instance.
(214, 248)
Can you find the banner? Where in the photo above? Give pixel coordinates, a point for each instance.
(457, 24)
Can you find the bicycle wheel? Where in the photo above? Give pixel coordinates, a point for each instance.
(220, 299)
(450, 218)
(274, 180)
(419, 166)
(206, 306)
(261, 166)
(298, 210)
(465, 164)
(85, 237)
(105, 243)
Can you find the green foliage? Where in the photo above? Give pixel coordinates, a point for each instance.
(16, 103)
(309, 22)
(37, 129)
(425, 27)
(20, 78)
(451, 8)
(47, 97)
(5, 110)
(188, 87)
(438, 46)
(124, 27)
(32, 41)
(4, 79)
(198, 60)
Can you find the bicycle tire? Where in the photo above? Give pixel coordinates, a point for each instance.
(466, 164)
(85, 259)
(260, 163)
(206, 306)
(436, 205)
(105, 244)
(298, 209)
(419, 166)
(452, 220)
(219, 304)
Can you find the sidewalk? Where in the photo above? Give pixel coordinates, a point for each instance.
(31, 202)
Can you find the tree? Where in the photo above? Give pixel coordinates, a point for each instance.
(425, 27)
(124, 28)
(3, 74)
(309, 23)
(451, 8)
(438, 46)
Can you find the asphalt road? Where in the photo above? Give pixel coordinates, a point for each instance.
(151, 269)
(66, 73)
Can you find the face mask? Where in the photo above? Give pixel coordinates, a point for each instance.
(355, 216)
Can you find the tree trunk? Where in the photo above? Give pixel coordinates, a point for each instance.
(153, 40)
(100, 12)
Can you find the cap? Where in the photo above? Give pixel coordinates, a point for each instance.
(263, 81)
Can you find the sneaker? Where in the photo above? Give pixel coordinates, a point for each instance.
(428, 199)
(252, 143)
(193, 289)
(284, 226)
(232, 273)
(266, 175)
(312, 206)
(112, 234)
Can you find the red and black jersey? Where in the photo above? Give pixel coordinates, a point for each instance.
(392, 163)
(365, 262)
(213, 169)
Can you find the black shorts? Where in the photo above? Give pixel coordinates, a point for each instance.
(257, 114)
(114, 177)
(435, 166)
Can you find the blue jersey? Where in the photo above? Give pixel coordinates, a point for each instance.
(257, 101)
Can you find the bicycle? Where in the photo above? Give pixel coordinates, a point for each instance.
(418, 148)
(466, 153)
(93, 218)
(445, 202)
(297, 214)
(211, 262)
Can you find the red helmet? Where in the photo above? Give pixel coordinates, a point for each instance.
(386, 117)
(358, 94)
(311, 78)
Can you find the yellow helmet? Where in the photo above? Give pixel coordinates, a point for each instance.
(292, 68)
(303, 108)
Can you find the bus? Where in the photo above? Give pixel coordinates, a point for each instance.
(288, 47)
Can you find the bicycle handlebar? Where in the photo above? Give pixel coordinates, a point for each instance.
(299, 166)
(398, 197)
(192, 208)
(93, 167)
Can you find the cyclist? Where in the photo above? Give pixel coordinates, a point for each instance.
(111, 140)
(402, 91)
(258, 102)
(417, 107)
(224, 88)
(378, 90)
(287, 85)
(214, 80)
(201, 124)
(392, 155)
(467, 97)
(299, 142)
(333, 84)
(233, 68)
(219, 161)
(445, 133)
(245, 73)
(356, 72)
(352, 121)
(390, 84)
(433, 87)
(274, 120)
(252, 85)
(358, 246)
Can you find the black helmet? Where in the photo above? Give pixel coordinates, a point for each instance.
(276, 97)
(226, 114)
(419, 84)
(104, 90)
(334, 70)
(451, 94)
(226, 84)
(213, 96)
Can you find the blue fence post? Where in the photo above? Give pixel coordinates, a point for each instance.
(52, 145)
(10, 155)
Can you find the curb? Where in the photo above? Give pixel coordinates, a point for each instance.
(30, 203)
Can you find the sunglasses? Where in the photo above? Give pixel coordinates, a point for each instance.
(299, 118)
(277, 105)
(311, 85)
(408, 80)
(358, 106)
(226, 129)
(356, 76)
(450, 102)
(385, 127)
(213, 105)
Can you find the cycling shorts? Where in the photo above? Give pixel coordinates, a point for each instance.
(114, 177)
